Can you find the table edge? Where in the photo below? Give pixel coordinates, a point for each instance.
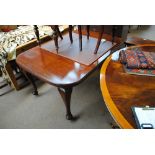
(115, 113)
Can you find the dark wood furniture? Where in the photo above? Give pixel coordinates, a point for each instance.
(8, 68)
(121, 31)
(138, 41)
(56, 70)
(22, 48)
(101, 31)
(57, 33)
(121, 90)
(114, 33)
(100, 35)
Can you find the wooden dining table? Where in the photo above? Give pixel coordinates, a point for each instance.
(60, 70)
(121, 90)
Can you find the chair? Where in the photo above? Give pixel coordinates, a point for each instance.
(56, 33)
(101, 30)
(80, 36)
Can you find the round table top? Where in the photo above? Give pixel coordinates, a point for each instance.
(121, 90)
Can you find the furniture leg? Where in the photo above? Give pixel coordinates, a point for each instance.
(55, 36)
(30, 78)
(12, 78)
(58, 31)
(37, 34)
(80, 37)
(70, 33)
(56, 42)
(66, 96)
(114, 126)
(113, 33)
(88, 31)
(99, 39)
(14, 66)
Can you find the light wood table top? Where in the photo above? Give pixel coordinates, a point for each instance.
(121, 91)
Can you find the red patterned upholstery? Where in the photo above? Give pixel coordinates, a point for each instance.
(136, 59)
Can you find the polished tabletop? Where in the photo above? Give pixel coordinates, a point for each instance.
(60, 70)
(55, 69)
(133, 40)
(63, 68)
(121, 91)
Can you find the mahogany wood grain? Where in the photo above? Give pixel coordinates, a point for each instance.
(53, 69)
(66, 96)
(24, 47)
(56, 70)
(121, 91)
(138, 41)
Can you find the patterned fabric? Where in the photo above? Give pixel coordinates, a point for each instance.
(151, 59)
(142, 60)
(132, 59)
(122, 57)
(137, 59)
(10, 40)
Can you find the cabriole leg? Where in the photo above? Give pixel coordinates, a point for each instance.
(66, 96)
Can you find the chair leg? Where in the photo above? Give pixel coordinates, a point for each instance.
(56, 42)
(66, 96)
(80, 37)
(55, 36)
(113, 33)
(58, 31)
(99, 39)
(88, 31)
(70, 33)
(35, 27)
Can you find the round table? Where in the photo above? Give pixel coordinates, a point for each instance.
(121, 90)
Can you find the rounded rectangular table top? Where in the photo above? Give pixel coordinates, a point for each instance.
(62, 70)
(52, 68)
